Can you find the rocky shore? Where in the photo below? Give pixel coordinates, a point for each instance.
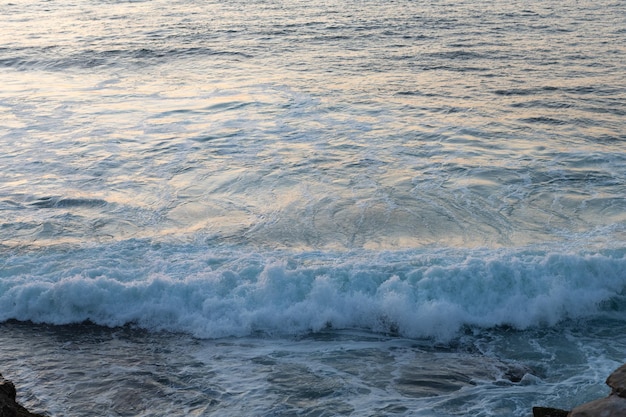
(612, 406)
(8, 404)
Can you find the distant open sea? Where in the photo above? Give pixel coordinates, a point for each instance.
(312, 208)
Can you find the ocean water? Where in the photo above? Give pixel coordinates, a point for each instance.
(312, 208)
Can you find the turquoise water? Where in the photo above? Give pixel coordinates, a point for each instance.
(312, 208)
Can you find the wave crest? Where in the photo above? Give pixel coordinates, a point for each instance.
(217, 294)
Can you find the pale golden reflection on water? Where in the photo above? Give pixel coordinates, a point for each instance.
(271, 124)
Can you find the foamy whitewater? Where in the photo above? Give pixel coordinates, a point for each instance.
(320, 208)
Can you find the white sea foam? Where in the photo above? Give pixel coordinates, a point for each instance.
(418, 294)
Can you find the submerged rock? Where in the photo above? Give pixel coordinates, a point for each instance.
(8, 404)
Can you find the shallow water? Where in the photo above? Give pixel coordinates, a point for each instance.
(311, 208)
(84, 370)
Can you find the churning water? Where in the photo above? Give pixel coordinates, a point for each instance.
(316, 208)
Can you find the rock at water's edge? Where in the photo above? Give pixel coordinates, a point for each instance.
(549, 412)
(612, 406)
(8, 405)
(617, 381)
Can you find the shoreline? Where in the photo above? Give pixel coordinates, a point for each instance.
(9, 407)
(614, 405)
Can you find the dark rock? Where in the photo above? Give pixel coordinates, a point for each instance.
(516, 373)
(8, 405)
(7, 388)
(549, 412)
(617, 381)
(611, 406)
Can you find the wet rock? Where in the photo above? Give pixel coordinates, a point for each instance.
(611, 406)
(8, 405)
(617, 381)
(549, 412)
(516, 372)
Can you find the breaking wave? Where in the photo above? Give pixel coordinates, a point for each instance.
(213, 293)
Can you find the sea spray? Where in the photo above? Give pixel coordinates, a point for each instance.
(188, 289)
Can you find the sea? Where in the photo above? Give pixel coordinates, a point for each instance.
(312, 208)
